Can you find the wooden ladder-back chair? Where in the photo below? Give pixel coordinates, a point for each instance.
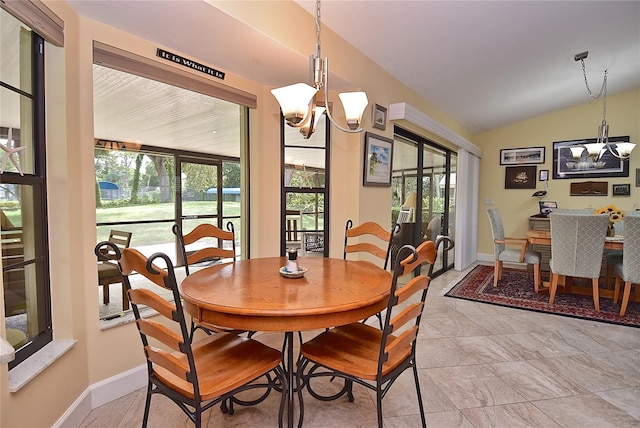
(366, 355)
(206, 250)
(108, 271)
(194, 375)
(368, 229)
(374, 232)
(205, 233)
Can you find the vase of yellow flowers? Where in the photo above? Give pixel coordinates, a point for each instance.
(615, 215)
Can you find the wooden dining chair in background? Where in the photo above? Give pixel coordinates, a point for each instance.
(365, 355)
(108, 271)
(206, 243)
(372, 239)
(577, 245)
(629, 270)
(520, 254)
(194, 375)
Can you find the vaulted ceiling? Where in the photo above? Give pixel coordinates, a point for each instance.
(484, 63)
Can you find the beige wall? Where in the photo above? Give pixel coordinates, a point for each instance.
(516, 205)
(101, 354)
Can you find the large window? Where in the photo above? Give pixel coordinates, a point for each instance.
(25, 262)
(164, 155)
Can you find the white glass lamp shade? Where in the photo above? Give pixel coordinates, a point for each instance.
(594, 149)
(576, 151)
(294, 101)
(625, 149)
(354, 104)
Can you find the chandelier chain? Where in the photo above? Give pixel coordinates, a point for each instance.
(603, 89)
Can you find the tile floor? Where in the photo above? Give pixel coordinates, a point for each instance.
(480, 366)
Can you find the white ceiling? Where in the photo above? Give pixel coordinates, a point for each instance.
(484, 63)
(491, 63)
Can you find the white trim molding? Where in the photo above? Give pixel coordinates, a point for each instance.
(404, 111)
(101, 393)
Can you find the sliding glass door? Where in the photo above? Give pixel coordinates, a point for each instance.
(424, 184)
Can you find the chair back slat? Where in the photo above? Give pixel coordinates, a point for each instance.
(372, 239)
(197, 246)
(207, 230)
(413, 286)
(401, 345)
(209, 253)
(368, 228)
(161, 333)
(135, 261)
(152, 300)
(366, 247)
(427, 254)
(121, 238)
(409, 313)
(178, 367)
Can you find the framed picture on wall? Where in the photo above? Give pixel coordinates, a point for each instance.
(378, 157)
(526, 155)
(621, 189)
(379, 119)
(520, 177)
(565, 165)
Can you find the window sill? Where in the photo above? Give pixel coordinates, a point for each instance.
(35, 364)
(126, 318)
(116, 320)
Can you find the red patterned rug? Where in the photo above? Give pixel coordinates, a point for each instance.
(515, 290)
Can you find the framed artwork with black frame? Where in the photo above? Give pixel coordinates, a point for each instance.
(378, 160)
(525, 155)
(637, 177)
(520, 177)
(621, 189)
(566, 166)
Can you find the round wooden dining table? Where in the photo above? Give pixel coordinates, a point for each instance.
(252, 295)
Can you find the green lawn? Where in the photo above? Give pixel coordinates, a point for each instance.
(149, 234)
(155, 233)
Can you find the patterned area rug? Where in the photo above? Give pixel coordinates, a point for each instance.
(515, 290)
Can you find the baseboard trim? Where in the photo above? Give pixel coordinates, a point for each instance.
(101, 393)
(481, 257)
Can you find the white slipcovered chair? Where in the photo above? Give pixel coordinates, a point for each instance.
(577, 245)
(519, 255)
(629, 270)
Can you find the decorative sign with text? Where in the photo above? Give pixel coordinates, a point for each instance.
(189, 63)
